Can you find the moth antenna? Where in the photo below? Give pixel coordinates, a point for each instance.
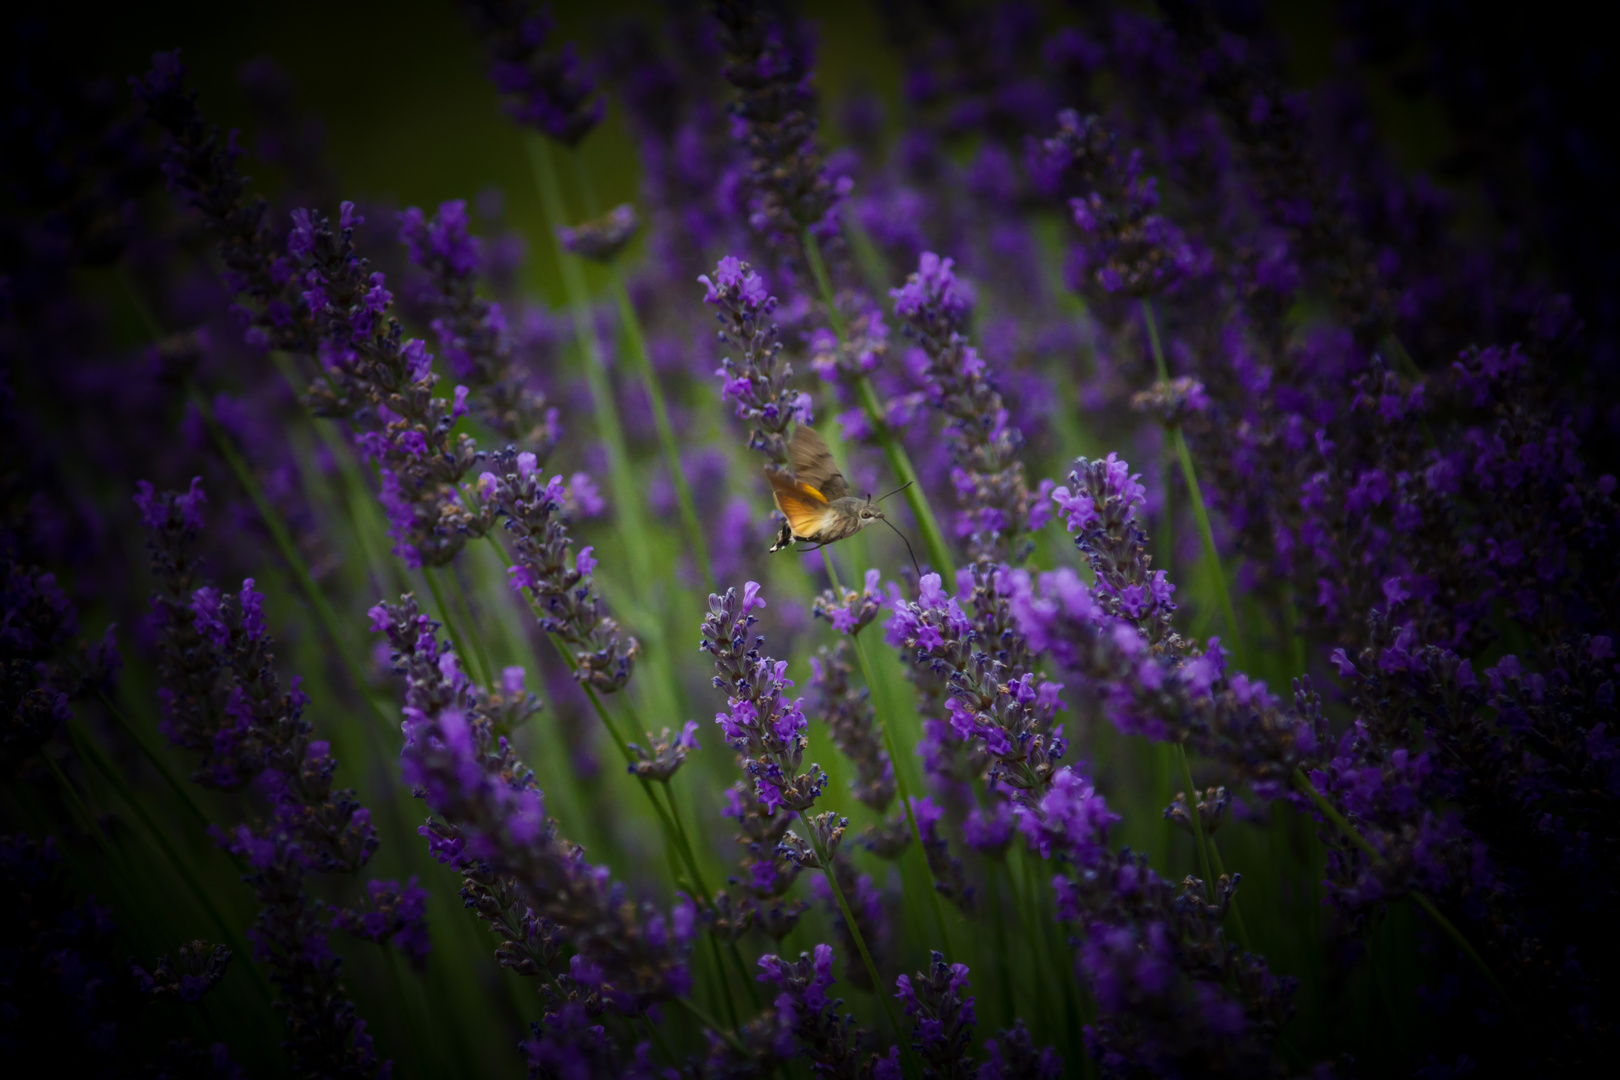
(906, 542)
(896, 491)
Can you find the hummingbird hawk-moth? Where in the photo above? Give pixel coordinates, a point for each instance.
(815, 499)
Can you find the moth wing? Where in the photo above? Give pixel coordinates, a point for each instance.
(813, 464)
(807, 513)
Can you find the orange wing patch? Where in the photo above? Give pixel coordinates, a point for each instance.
(804, 507)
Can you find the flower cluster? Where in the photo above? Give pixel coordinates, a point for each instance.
(1173, 994)
(790, 186)
(998, 510)
(765, 728)
(757, 379)
(200, 968)
(540, 88)
(1126, 247)
(219, 678)
(994, 696)
(664, 756)
(604, 238)
(835, 1045)
(541, 551)
(473, 335)
(855, 611)
(530, 944)
(942, 1029)
(493, 813)
(368, 367)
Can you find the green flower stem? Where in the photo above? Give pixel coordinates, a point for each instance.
(720, 1030)
(156, 761)
(289, 551)
(690, 858)
(666, 433)
(89, 751)
(465, 600)
(1446, 926)
(899, 461)
(1166, 514)
(879, 991)
(1197, 821)
(901, 787)
(1237, 916)
(637, 341)
(998, 927)
(627, 494)
(448, 618)
(1200, 512)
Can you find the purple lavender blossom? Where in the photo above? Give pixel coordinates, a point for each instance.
(218, 675)
(1126, 247)
(942, 1029)
(855, 610)
(1172, 993)
(566, 604)
(836, 1046)
(369, 368)
(473, 334)
(492, 812)
(758, 378)
(766, 729)
(790, 188)
(542, 89)
(993, 694)
(602, 240)
(998, 510)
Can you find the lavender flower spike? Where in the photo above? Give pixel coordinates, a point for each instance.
(1125, 246)
(767, 731)
(994, 695)
(757, 378)
(368, 365)
(997, 509)
(569, 608)
(219, 674)
(472, 331)
(835, 1045)
(788, 184)
(942, 1033)
(543, 90)
(601, 240)
(494, 813)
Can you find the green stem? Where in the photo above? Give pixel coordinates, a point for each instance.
(901, 787)
(447, 616)
(1237, 916)
(289, 552)
(1197, 821)
(89, 751)
(1200, 512)
(666, 433)
(878, 989)
(1446, 926)
(899, 461)
(701, 1016)
(155, 761)
(627, 494)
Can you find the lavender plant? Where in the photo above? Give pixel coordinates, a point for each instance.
(1298, 761)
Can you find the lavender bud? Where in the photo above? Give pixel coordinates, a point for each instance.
(602, 240)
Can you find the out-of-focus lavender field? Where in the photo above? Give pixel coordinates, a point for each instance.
(1195, 651)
